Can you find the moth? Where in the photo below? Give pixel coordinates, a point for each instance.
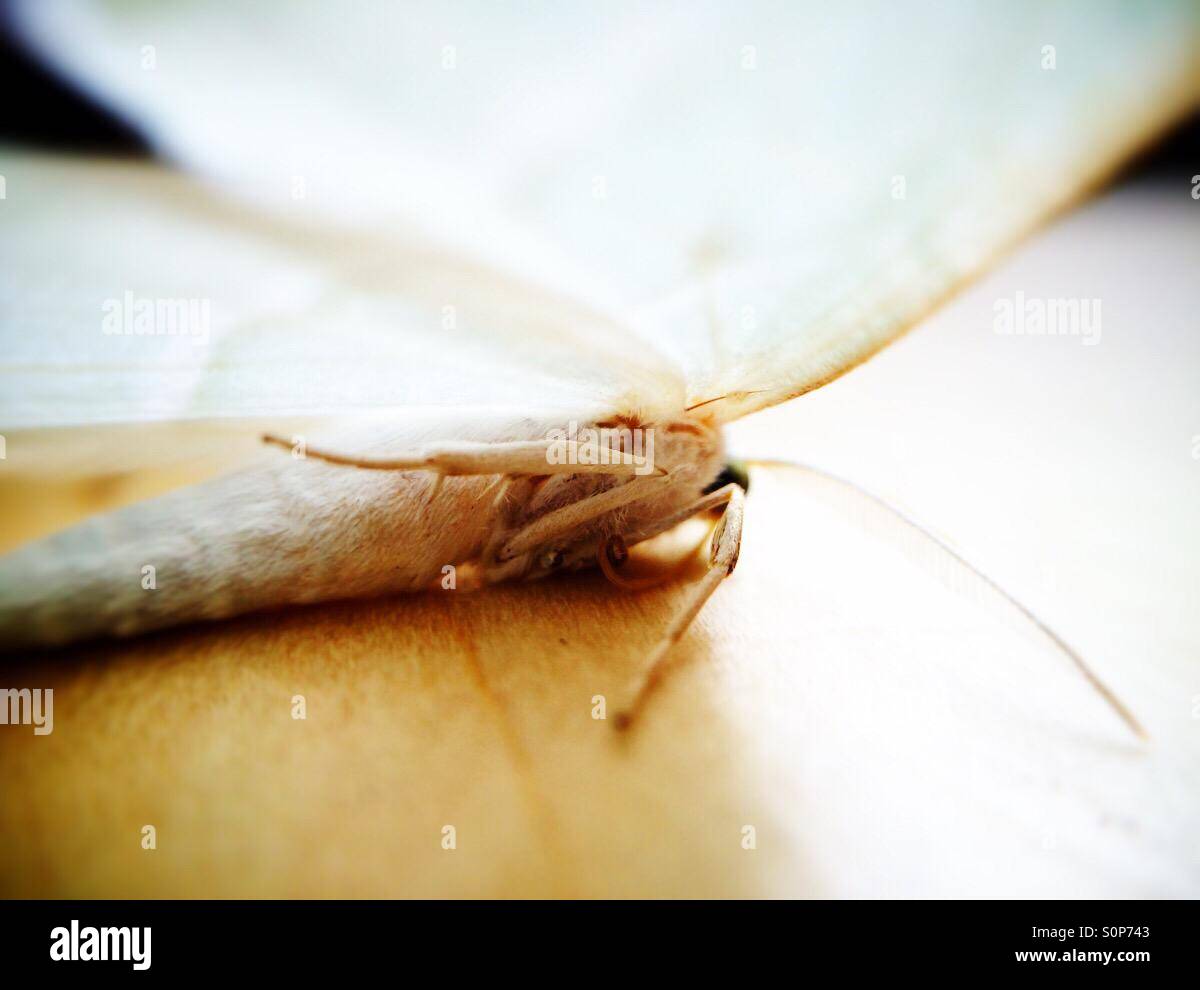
(491, 284)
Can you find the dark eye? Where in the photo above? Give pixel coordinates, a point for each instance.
(733, 473)
(552, 560)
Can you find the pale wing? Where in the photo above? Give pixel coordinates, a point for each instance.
(343, 117)
(940, 139)
(134, 295)
(774, 191)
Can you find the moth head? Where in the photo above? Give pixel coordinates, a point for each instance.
(688, 460)
(733, 473)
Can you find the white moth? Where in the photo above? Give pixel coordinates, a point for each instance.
(547, 270)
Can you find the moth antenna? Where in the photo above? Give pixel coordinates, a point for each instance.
(1024, 611)
(530, 457)
(727, 395)
(386, 464)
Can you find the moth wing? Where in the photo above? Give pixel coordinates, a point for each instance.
(147, 319)
(771, 194)
(961, 141)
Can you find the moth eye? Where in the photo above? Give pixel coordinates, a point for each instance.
(552, 559)
(734, 472)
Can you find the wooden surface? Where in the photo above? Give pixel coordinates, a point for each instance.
(915, 747)
(882, 733)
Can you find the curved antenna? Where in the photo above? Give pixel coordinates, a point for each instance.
(1026, 613)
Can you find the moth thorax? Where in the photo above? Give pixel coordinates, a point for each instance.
(558, 522)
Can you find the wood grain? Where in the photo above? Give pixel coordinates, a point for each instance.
(881, 735)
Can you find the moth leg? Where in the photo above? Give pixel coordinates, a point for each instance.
(723, 558)
(570, 517)
(510, 457)
(712, 500)
(614, 550)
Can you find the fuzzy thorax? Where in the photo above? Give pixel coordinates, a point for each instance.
(544, 524)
